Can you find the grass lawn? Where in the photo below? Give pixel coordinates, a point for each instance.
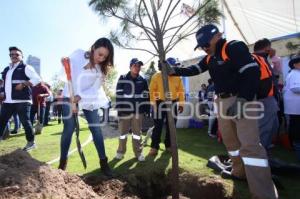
(195, 148)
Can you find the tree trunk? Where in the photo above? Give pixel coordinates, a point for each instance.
(162, 57)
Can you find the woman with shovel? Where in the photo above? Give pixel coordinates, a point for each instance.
(85, 78)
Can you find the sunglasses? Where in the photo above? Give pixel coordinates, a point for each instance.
(14, 54)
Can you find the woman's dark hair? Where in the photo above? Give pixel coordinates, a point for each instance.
(109, 62)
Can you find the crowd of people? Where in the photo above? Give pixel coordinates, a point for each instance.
(242, 100)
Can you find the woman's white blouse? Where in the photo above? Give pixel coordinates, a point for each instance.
(291, 93)
(87, 83)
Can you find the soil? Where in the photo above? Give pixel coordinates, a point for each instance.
(21, 176)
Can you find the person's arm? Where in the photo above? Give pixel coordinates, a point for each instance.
(119, 92)
(180, 91)
(146, 97)
(153, 88)
(192, 70)
(45, 93)
(247, 69)
(295, 83)
(34, 78)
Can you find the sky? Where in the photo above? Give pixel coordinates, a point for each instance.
(50, 29)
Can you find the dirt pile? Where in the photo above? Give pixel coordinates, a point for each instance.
(111, 189)
(24, 177)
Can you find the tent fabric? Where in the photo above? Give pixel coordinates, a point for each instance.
(262, 18)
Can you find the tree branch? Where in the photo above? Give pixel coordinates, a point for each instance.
(163, 21)
(149, 37)
(168, 18)
(178, 40)
(149, 16)
(145, 28)
(139, 49)
(183, 24)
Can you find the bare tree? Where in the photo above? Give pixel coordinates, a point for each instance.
(163, 24)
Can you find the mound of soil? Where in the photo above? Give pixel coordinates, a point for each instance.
(24, 177)
(21, 176)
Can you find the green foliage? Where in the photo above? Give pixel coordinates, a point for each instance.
(106, 7)
(150, 72)
(194, 148)
(57, 83)
(110, 81)
(137, 22)
(210, 13)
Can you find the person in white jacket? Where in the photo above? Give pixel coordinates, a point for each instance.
(88, 70)
(291, 97)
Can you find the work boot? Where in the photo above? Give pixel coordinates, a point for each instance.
(62, 164)
(228, 175)
(105, 167)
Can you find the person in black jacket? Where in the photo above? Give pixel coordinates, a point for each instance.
(132, 102)
(236, 77)
(18, 79)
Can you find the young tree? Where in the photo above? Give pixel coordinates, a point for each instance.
(150, 72)
(110, 81)
(162, 24)
(56, 84)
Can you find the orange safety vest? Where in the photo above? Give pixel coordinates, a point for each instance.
(265, 72)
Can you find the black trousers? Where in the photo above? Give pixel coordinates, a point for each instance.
(159, 118)
(294, 128)
(47, 113)
(23, 110)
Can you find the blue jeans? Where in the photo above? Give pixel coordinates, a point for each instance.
(93, 120)
(16, 122)
(23, 110)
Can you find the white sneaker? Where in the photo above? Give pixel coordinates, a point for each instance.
(141, 158)
(29, 146)
(119, 156)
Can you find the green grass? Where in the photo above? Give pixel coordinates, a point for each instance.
(194, 147)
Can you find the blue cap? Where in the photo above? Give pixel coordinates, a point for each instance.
(136, 61)
(205, 34)
(172, 61)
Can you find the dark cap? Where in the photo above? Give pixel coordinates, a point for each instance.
(14, 48)
(293, 61)
(205, 34)
(136, 61)
(172, 61)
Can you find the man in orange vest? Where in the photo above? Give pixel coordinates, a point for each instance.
(268, 124)
(236, 76)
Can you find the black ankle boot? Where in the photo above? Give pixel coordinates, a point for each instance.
(62, 164)
(105, 168)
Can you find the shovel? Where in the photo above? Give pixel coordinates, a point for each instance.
(38, 126)
(67, 66)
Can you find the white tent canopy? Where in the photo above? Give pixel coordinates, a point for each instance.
(261, 18)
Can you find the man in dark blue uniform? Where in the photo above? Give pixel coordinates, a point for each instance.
(236, 76)
(18, 79)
